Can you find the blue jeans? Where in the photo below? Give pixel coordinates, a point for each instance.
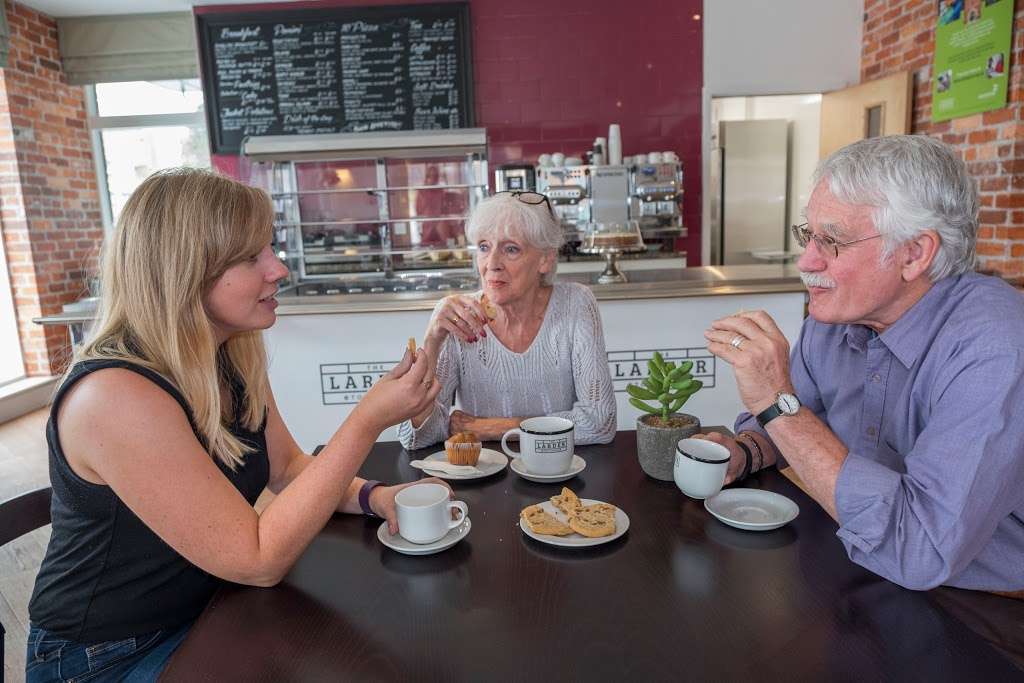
(137, 659)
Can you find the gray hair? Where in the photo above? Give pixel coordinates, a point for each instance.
(503, 216)
(915, 183)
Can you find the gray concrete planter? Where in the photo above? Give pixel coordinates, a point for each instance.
(656, 445)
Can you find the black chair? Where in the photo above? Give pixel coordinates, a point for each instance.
(18, 516)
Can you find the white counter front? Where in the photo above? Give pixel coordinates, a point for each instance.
(320, 365)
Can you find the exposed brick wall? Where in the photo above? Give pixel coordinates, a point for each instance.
(900, 35)
(52, 225)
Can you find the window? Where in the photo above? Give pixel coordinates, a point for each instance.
(140, 127)
(11, 364)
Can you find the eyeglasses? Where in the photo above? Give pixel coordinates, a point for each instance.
(828, 246)
(531, 198)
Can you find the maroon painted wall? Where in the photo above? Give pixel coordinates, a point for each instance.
(550, 75)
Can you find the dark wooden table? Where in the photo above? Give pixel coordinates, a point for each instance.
(679, 597)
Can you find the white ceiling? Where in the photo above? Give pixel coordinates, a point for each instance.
(88, 8)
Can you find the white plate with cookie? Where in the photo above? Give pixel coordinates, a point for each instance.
(490, 462)
(519, 467)
(575, 539)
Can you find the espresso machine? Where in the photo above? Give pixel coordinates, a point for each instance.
(655, 191)
(581, 195)
(515, 177)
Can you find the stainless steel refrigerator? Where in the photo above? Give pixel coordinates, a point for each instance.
(749, 171)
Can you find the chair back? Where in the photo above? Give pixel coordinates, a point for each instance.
(24, 513)
(18, 516)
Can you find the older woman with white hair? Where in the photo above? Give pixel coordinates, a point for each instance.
(539, 352)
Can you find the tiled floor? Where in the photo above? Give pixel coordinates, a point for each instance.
(22, 467)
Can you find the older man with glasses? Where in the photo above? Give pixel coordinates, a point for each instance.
(901, 407)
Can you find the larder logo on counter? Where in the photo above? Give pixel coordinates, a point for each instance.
(629, 367)
(346, 383)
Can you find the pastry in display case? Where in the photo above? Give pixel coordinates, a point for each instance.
(372, 212)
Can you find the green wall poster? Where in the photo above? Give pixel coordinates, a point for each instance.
(972, 51)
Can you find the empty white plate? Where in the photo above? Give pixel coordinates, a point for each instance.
(751, 509)
(577, 465)
(399, 544)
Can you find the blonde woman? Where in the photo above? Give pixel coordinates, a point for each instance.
(542, 353)
(164, 432)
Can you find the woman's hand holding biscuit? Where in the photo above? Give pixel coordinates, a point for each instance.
(459, 315)
(408, 390)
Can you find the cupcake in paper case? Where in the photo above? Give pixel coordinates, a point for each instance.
(463, 448)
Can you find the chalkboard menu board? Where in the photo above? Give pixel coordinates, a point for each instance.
(335, 70)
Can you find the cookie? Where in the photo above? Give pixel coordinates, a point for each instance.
(604, 509)
(592, 523)
(489, 308)
(567, 501)
(540, 522)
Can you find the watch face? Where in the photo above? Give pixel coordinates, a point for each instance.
(789, 404)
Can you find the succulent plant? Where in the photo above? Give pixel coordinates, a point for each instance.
(666, 383)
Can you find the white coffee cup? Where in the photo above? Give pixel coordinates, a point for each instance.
(700, 467)
(546, 444)
(669, 157)
(544, 160)
(424, 513)
(654, 157)
(557, 159)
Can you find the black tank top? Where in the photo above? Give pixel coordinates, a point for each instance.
(106, 575)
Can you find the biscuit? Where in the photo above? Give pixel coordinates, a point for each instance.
(567, 501)
(489, 308)
(604, 509)
(592, 523)
(540, 522)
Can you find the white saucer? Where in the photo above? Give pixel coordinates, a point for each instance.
(490, 462)
(575, 540)
(578, 465)
(399, 544)
(751, 509)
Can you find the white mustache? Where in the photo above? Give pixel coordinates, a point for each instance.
(815, 280)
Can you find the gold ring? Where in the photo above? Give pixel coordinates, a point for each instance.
(455, 320)
(737, 340)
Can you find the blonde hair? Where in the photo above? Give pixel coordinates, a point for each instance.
(178, 233)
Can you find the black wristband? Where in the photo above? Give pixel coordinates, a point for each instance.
(746, 465)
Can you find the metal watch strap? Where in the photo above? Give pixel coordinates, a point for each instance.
(364, 496)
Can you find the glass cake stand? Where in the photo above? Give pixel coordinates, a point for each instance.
(610, 240)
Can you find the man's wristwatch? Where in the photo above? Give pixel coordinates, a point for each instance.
(785, 404)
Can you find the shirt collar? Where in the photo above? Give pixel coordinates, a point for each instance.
(903, 338)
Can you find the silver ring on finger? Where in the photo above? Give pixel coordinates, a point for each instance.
(737, 341)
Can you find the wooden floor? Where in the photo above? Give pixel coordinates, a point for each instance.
(23, 467)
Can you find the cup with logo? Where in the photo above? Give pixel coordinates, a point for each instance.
(546, 444)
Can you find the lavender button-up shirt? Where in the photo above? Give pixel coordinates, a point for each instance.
(932, 412)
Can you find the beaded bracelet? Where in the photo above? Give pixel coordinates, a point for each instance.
(757, 447)
(746, 465)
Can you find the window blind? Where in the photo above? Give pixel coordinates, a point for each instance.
(128, 47)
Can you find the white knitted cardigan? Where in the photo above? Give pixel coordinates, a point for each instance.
(563, 373)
